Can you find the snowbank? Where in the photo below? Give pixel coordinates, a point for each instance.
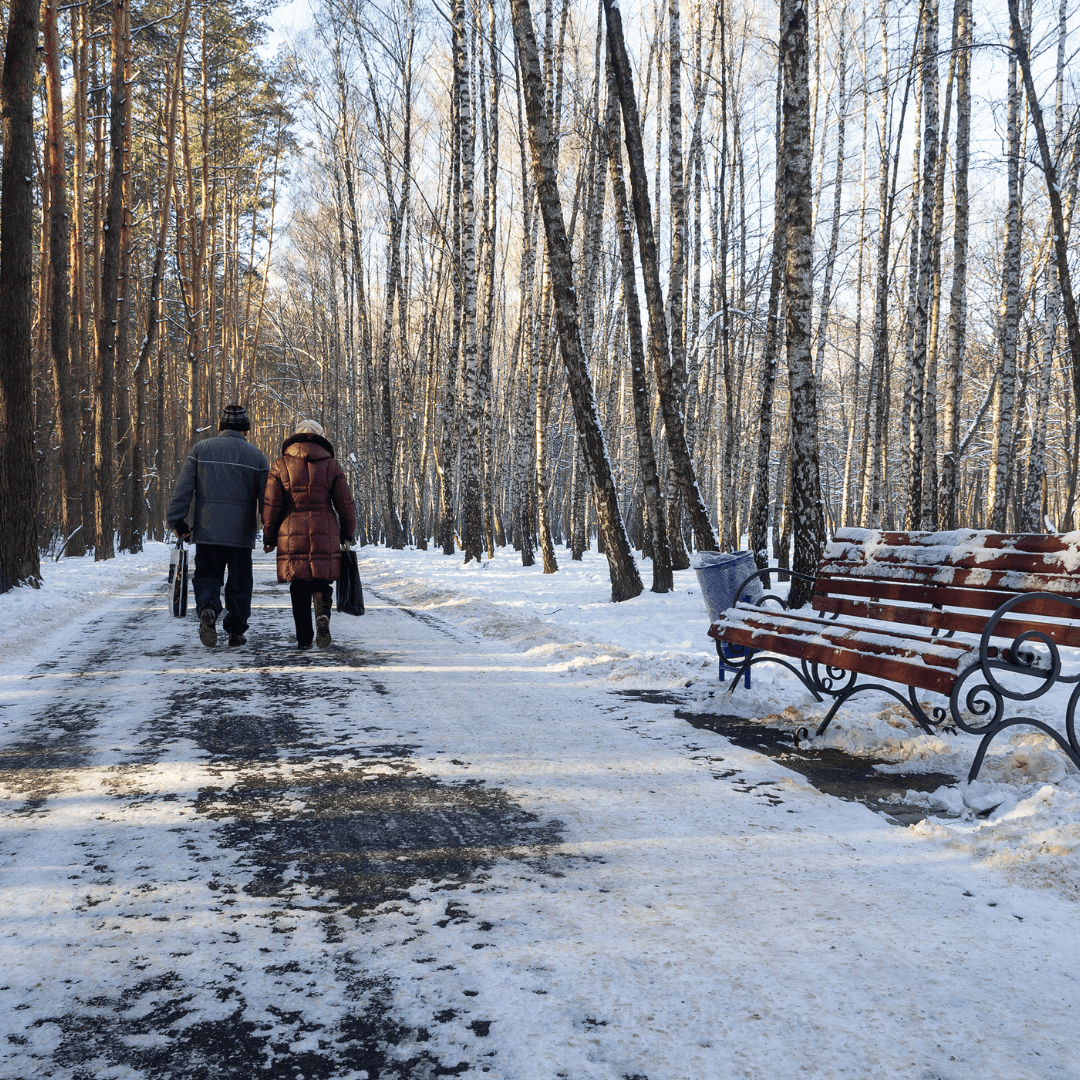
(71, 593)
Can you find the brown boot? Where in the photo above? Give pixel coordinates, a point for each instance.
(322, 619)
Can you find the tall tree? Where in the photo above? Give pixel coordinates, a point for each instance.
(59, 284)
(957, 333)
(650, 480)
(19, 560)
(625, 581)
(674, 427)
(808, 522)
(1001, 450)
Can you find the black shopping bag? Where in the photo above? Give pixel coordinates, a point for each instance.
(178, 578)
(350, 593)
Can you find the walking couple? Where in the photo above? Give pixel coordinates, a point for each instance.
(307, 514)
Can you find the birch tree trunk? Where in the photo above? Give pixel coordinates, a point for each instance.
(662, 580)
(472, 540)
(929, 87)
(950, 465)
(1032, 516)
(674, 428)
(838, 192)
(625, 582)
(808, 526)
(1008, 325)
(759, 509)
(1018, 41)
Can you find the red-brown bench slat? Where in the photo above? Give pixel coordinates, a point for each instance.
(978, 599)
(966, 622)
(893, 669)
(1013, 581)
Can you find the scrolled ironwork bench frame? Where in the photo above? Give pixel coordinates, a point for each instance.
(978, 700)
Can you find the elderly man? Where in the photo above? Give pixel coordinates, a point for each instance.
(226, 476)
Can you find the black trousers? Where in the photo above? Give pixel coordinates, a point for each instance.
(301, 593)
(211, 563)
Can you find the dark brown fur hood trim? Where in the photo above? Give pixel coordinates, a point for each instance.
(318, 440)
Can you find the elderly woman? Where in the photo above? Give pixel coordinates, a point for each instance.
(309, 516)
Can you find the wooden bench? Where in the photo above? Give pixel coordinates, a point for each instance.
(977, 617)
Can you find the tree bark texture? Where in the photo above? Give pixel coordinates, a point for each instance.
(674, 426)
(19, 560)
(59, 283)
(957, 331)
(662, 580)
(808, 524)
(625, 581)
(1009, 320)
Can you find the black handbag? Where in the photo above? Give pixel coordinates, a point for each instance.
(350, 593)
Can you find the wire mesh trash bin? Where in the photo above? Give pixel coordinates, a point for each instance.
(719, 574)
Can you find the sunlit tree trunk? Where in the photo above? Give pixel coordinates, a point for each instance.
(625, 582)
(957, 331)
(674, 428)
(654, 508)
(59, 290)
(808, 525)
(1008, 326)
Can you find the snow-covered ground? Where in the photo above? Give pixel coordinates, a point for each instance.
(448, 844)
(655, 641)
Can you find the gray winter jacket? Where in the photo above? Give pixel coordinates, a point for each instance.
(227, 477)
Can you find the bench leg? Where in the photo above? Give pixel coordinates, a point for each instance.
(744, 669)
(1019, 721)
(909, 703)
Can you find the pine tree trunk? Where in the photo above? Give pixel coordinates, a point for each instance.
(19, 563)
(105, 432)
(625, 582)
(78, 340)
(67, 401)
(127, 425)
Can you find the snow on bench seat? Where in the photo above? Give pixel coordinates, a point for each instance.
(896, 655)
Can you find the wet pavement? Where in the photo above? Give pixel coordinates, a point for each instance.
(831, 771)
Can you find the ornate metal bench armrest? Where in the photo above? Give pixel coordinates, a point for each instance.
(770, 596)
(1025, 661)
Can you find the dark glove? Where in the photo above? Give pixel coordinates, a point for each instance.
(182, 529)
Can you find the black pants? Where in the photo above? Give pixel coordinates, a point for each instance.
(301, 593)
(211, 563)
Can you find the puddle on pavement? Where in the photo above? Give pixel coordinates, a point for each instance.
(831, 771)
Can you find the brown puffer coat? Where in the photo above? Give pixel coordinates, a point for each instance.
(305, 488)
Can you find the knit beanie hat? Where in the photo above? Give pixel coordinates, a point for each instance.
(309, 427)
(234, 418)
